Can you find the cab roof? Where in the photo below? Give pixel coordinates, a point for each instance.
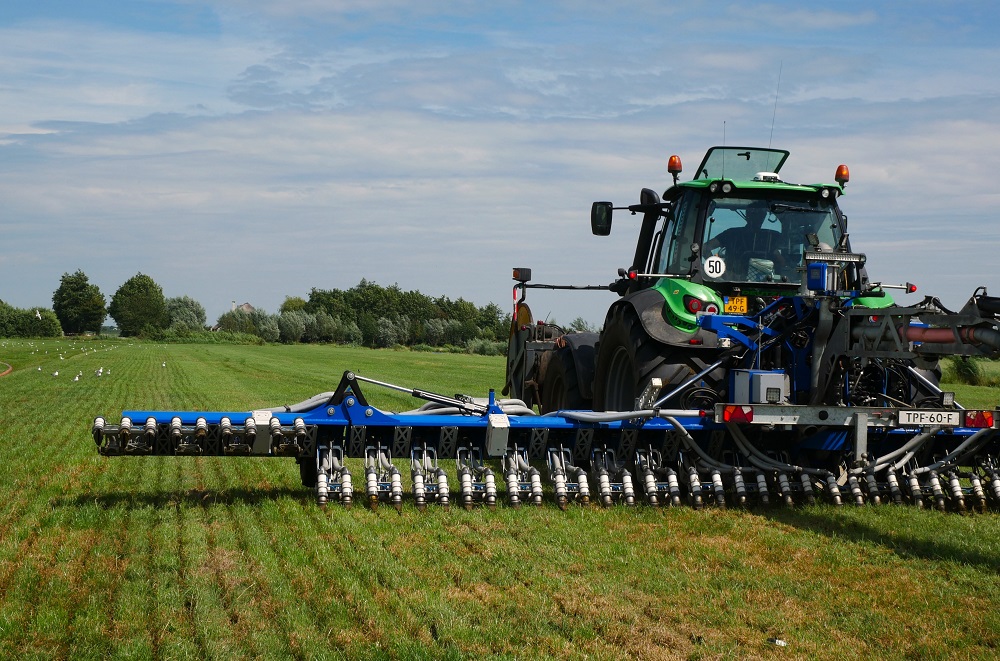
(739, 163)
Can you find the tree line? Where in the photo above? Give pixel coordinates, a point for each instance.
(367, 314)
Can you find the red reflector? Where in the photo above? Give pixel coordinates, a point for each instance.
(910, 288)
(737, 414)
(695, 340)
(979, 419)
(692, 304)
(632, 275)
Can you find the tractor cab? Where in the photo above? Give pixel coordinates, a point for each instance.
(737, 225)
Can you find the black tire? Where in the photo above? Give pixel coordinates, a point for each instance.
(561, 386)
(628, 359)
(307, 471)
(920, 394)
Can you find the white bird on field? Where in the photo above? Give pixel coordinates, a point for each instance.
(76, 378)
(56, 373)
(164, 364)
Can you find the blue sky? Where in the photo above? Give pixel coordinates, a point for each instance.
(252, 150)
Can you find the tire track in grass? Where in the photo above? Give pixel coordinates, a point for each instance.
(39, 483)
(202, 607)
(48, 584)
(304, 564)
(172, 632)
(186, 611)
(132, 627)
(212, 616)
(103, 572)
(365, 582)
(376, 594)
(152, 612)
(303, 630)
(252, 600)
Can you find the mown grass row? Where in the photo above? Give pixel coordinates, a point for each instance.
(225, 558)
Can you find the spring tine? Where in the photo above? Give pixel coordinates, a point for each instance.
(443, 491)
(894, 491)
(491, 488)
(859, 498)
(916, 493)
(834, 489)
(978, 492)
(955, 486)
(762, 493)
(719, 489)
(674, 486)
(939, 499)
(874, 495)
(807, 488)
(739, 487)
(694, 485)
(786, 489)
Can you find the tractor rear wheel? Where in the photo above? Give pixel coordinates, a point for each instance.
(561, 385)
(628, 359)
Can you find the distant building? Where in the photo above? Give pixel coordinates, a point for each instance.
(246, 307)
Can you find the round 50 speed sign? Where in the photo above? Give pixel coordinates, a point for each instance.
(715, 266)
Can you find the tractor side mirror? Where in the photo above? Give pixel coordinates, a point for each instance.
(600, 218)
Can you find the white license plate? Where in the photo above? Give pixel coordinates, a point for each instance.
(925, 417)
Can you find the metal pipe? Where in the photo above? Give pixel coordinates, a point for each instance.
(687, 383)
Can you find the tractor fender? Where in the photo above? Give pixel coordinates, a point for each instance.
(649, 308)
(583, 348)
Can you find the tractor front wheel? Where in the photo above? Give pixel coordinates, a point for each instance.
(628, 359)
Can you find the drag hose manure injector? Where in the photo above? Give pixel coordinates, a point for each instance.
(748, 359)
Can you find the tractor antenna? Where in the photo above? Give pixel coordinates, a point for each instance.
(774, 113)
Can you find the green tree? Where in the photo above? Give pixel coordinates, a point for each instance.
(139, 304)
(293, 304)
(34, 322)
(185, 313)
(79, 305)
(581, 325)
(265, 325)
(236, 321)
(291, 326)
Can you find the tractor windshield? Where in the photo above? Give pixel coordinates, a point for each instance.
(757, 239)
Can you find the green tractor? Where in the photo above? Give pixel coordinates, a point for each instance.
(730, 242)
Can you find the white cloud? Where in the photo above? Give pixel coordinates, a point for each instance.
(441, 147)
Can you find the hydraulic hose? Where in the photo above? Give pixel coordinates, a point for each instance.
(757, 458)
(508, 406)
(910, 446)
(306, 405)
(692, 445)
(616, 416)
(973, 443)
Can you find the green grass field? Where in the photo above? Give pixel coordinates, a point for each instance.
(230, 558)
